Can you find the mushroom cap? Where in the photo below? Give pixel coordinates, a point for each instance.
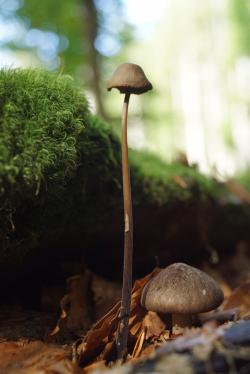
(129, 78)
(180, 288)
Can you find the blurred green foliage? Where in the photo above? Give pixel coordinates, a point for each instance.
(71, 20)
(74, 37)
(239, 11)
(244, 178)
(65, 18)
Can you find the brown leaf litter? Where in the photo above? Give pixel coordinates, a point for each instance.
(76, 310)
(99, 342)
(97, 348)
(146, 329)
(35, 358)
(240, 300)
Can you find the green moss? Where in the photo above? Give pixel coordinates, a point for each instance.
(41, 117)
(157, 180)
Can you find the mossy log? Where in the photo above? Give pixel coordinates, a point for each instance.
(61, 193)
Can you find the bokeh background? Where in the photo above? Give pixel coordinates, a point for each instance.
(195, 53)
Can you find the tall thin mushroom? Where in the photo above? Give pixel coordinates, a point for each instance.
(128, 79)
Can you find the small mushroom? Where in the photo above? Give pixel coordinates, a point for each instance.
(181, 291)
(128, 79)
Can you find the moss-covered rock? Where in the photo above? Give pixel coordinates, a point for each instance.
(60, 185)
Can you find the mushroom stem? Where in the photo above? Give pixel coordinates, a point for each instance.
(122, 332)
(181, 320)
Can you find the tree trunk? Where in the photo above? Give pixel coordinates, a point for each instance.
(91, 31)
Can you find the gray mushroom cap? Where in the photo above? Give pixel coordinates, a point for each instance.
(180, 288)
(129, 78)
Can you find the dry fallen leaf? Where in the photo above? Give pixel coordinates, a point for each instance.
(35, 358)
(100, 365)
(76, 306)
(153, 325)
(139, 343)
(99, 342)
(106, 294)
(240, 299)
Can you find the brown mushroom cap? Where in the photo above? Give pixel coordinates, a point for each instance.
(180, 288)
(129, 78)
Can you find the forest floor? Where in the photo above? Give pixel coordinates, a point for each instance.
(60, 337)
